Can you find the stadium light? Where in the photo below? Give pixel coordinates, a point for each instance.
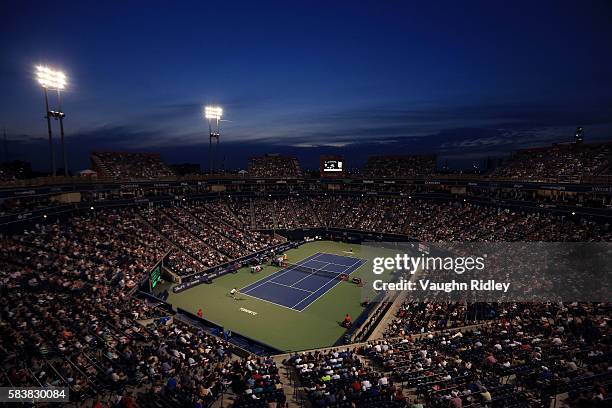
(213, 113)
(49, 78)
(54, 80)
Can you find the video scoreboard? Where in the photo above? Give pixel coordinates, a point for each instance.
(332, 166)
(155, 275)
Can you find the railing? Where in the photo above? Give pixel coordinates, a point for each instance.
(63, 180)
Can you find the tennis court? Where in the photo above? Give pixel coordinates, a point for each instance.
(297, 286)
(278, 325)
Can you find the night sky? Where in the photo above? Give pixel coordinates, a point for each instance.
(464, 80)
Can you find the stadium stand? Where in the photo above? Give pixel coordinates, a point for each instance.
(68, 318)
(540, 345)
(426, 220)
(570, 161)
(274, 166)
(72, 315)
(241, 211)
(295, 212)
(400, 166)
(130, 166)
(223, 222)
(173, 228)
(338, 377)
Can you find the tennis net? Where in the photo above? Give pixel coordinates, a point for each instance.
(315, 271)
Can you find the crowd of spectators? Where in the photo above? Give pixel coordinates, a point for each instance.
(241, 210)
(69, 316)
(264, 213)
(332, 209)
(274, 166)
(181, 237)
(339, 378)
(545, 349)
(289, 213)
(256, 382)
(419, 317)
(182, 263)
(221, 220)
(557, 161)
(400, 166)
(204, 239)
(130, 166)
(199, 228)
(221, 210)
(427, 220)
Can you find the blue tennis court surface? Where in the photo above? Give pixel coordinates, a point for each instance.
(296, 289)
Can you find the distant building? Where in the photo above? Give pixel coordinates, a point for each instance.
(579, 136)
(88, 173)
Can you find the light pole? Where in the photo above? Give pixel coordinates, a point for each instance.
(61, 122)
(50, 79)
(51, 148)
(213, 114)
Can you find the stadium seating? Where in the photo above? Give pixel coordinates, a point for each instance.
(70, 315)
(274, 166)
(400, 166)
(130, 166)
(72, 321)
(541, 356)
(569, 161)
(428, 220)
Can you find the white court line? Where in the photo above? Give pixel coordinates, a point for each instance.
(272, 277)
(269, 301)
(327, 283)
(287, 286)
(341, 256)
(363, 262)
(331, 263)
(309, 275)
(318, 254)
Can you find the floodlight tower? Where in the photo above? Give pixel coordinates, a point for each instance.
(55, 80)
(60, 114)
(213, 115)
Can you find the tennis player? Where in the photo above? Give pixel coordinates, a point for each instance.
(233, 293)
